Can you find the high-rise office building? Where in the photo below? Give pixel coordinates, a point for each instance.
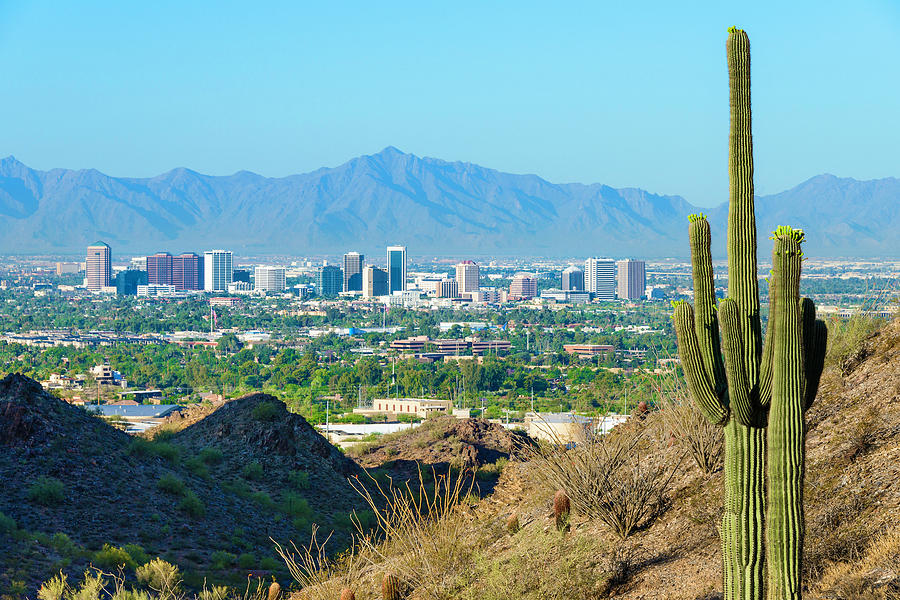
(329, 281)
(128, 281)
(467, 276)
(600, 278)
(374, 282)
(523, 286)
(218, 270)
(632, 279)
(448, 288)
(572, 280)
(353, 268)
(98, 266)
(396, 268)
(187, 272)
(159, 268)
(268, 279)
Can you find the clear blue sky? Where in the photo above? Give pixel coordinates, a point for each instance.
(623, 93)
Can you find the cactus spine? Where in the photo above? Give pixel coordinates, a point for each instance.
(798, 357)
(728, 391)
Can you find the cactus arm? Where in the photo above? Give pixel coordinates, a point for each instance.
(815, 348)
(786, 426)
(698, 380)
(743, 285)
(705, 319)
(738, 387)
(765, 372)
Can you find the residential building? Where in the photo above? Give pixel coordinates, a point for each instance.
(98, 266)
(329, 281)
(374, 282)
(159, 268)
(269, 279)
(448, 288)
(467, 277)
(523, 287)
(127, 281)
(600, 278)
(218, 270)
(187, 272)
(631, 279)
(396, 268)
(353, 268)
(573, 280)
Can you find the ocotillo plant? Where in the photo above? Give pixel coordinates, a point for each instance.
(798, 358)
(730, 392)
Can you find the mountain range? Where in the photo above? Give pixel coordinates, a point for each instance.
(433, 206)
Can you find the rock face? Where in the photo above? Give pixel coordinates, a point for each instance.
(441, 207)
(445, 441)
(109, 486)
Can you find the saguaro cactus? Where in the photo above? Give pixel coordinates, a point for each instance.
(745, 386)
(729, 392)
(798, 358)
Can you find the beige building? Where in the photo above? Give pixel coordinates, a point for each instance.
(419, 407)
(631, 279)
(561, 428)
(98, 266)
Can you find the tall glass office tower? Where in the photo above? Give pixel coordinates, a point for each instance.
(396, 268)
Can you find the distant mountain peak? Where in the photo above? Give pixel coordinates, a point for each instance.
(430, 205)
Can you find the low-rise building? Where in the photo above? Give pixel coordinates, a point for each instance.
(588, 350)
(419, 407)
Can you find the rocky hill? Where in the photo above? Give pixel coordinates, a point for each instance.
(435, 206)
(207, 498)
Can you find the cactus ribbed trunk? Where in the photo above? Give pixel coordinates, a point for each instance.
(744, 518)
(758, 393)
(787, 435)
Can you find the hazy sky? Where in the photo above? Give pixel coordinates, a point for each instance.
(627, 94)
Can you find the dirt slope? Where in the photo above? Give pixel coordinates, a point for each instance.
(852, 498)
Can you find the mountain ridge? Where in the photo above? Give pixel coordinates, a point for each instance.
(432, 205)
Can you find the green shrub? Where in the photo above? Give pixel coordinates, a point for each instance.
(170, 484)
(253, 471)
(110, 557)
(247, 560)
(221, 559)
(211, 456)
(64, 545)
(270, 564)
(197, 467)
(299, 479)
(47, 491)
(142, 447)
(266, 411)
(192, 504)
(160, 576)
(302, 524)
(295, 505)
(137, 553)
(263, 499)
(7, 524)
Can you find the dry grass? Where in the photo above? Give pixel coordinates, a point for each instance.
(620, 479)
(320, 577)
(876, 576)
(702, 440)
(422, 535)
